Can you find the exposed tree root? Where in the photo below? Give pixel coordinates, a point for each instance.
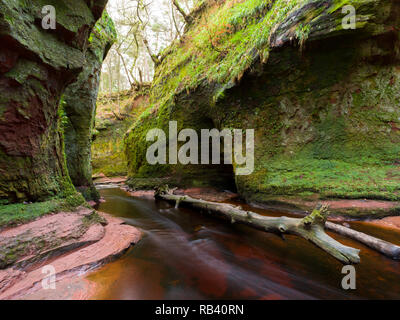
(310, 227)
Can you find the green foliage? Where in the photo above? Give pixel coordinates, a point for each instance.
(62, 116)
(302, 33)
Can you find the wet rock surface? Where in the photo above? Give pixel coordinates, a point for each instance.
(387, 222)
(72, 247)
(49, 236)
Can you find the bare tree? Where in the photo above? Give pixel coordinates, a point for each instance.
(145, 28)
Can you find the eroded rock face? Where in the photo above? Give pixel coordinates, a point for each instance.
(49, 236)
(72, 242)
(80, 108)
(36, 65)
(323, 100)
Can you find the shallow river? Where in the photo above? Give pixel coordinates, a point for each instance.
(185, 254)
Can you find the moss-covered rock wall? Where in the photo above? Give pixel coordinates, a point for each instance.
(36, 65)
(114, 116)
(323, 100)
(80, 108)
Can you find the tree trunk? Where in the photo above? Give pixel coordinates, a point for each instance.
(310, 228)
(388, 249)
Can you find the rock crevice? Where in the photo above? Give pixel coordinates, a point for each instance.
(36, 65)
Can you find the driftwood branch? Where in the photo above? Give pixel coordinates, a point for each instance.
(178, 32)
(388, 249)
(310, 228)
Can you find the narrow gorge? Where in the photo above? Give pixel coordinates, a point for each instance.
(131, 122)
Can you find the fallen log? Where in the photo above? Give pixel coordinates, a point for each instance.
(388, 249)
(310, 227)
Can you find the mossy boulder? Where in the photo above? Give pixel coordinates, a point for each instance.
(80, 108)
(36, 65)
(323, 100)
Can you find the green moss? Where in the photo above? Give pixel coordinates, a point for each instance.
(31, 158)
(338, 145)
(108, 145)
(326, 119)
(71, 16)
(80, 108)
(67, 198)
(103, 36)
(25, 69)
(92, 219)
(13, 214)
(107, 149)
(328, 178)
(225, 41)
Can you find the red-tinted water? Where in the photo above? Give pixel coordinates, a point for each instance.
(188, 255)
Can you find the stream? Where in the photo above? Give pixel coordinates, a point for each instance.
(185, 254)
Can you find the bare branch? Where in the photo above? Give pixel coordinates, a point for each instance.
(153, 57)
(188, 19)
(310, 228)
